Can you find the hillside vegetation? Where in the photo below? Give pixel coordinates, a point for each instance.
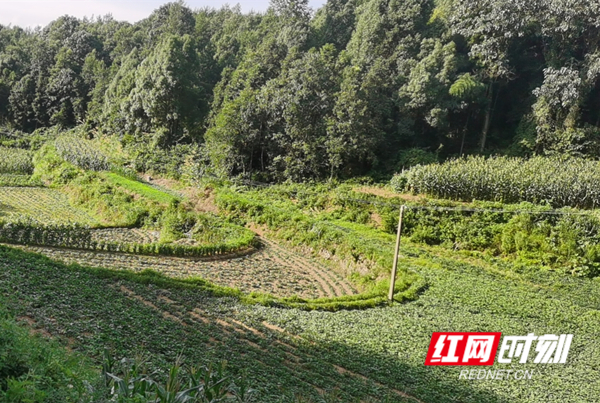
(355, 87)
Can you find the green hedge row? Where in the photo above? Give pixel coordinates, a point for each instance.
(78, 237)
(18, 180)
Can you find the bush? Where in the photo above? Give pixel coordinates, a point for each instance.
(36, 370)
(415, 156)
(556, 181)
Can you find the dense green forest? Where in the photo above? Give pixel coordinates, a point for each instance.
(356, 87)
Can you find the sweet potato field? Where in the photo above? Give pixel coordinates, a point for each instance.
(371, 355)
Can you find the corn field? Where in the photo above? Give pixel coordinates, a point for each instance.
(557, 181)
(15, 161)
(82, 153)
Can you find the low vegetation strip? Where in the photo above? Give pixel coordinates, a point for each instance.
(30, 232)
(140, 188)
(18, 180)
(553, 180)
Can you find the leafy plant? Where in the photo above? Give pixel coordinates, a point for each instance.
(130, 381)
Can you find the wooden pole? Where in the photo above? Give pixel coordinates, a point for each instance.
(395, 266)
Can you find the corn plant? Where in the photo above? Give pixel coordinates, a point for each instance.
(15, 161)
(551, 180)
(131, 382)
(82, 153)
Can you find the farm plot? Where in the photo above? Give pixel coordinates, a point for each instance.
(272, 270)
(367, 356)
(164, 323)
(41, 204)
(125, 235)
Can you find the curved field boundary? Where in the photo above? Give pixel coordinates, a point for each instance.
(332, 285)
(253, 270)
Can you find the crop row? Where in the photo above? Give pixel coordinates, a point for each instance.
(553, 180)
(30, 232)
(43, 204)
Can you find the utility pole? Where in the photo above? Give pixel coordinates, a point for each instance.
(395, 266)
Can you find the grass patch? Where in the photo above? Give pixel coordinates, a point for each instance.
(139, 188)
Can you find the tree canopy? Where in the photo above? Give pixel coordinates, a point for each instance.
(298, 93)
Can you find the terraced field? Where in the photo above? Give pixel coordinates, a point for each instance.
(42, 204)
(272, 269)
(297, 356)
